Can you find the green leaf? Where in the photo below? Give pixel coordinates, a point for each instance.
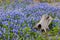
(4, 26)
(9, 22)
(8, 16)
(54, 31)
(28, 15)
(40, 38)
(11, 35)
(27, 29)
(33, 22)
(6, 35)
(16, 17)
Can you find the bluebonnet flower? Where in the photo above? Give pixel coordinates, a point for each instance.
(3, 30)
(27, 35)
(1, 33)
(5, 22)
(21, 15)
(15, 31)
(59, 32)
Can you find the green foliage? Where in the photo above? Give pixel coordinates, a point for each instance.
(54, 31)
(16, 17)
(4, 26)
(59, 38)
(27, 29)
(32, 35)
(57, 0)
(8, 16)
(11, 35)
(19, 1)
(39, 38)
(33, 22)
(8, 1)
(6, 36)
(28, 15)
(5, 6)
(0, 2)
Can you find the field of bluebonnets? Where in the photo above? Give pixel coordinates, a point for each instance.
(17, 20)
